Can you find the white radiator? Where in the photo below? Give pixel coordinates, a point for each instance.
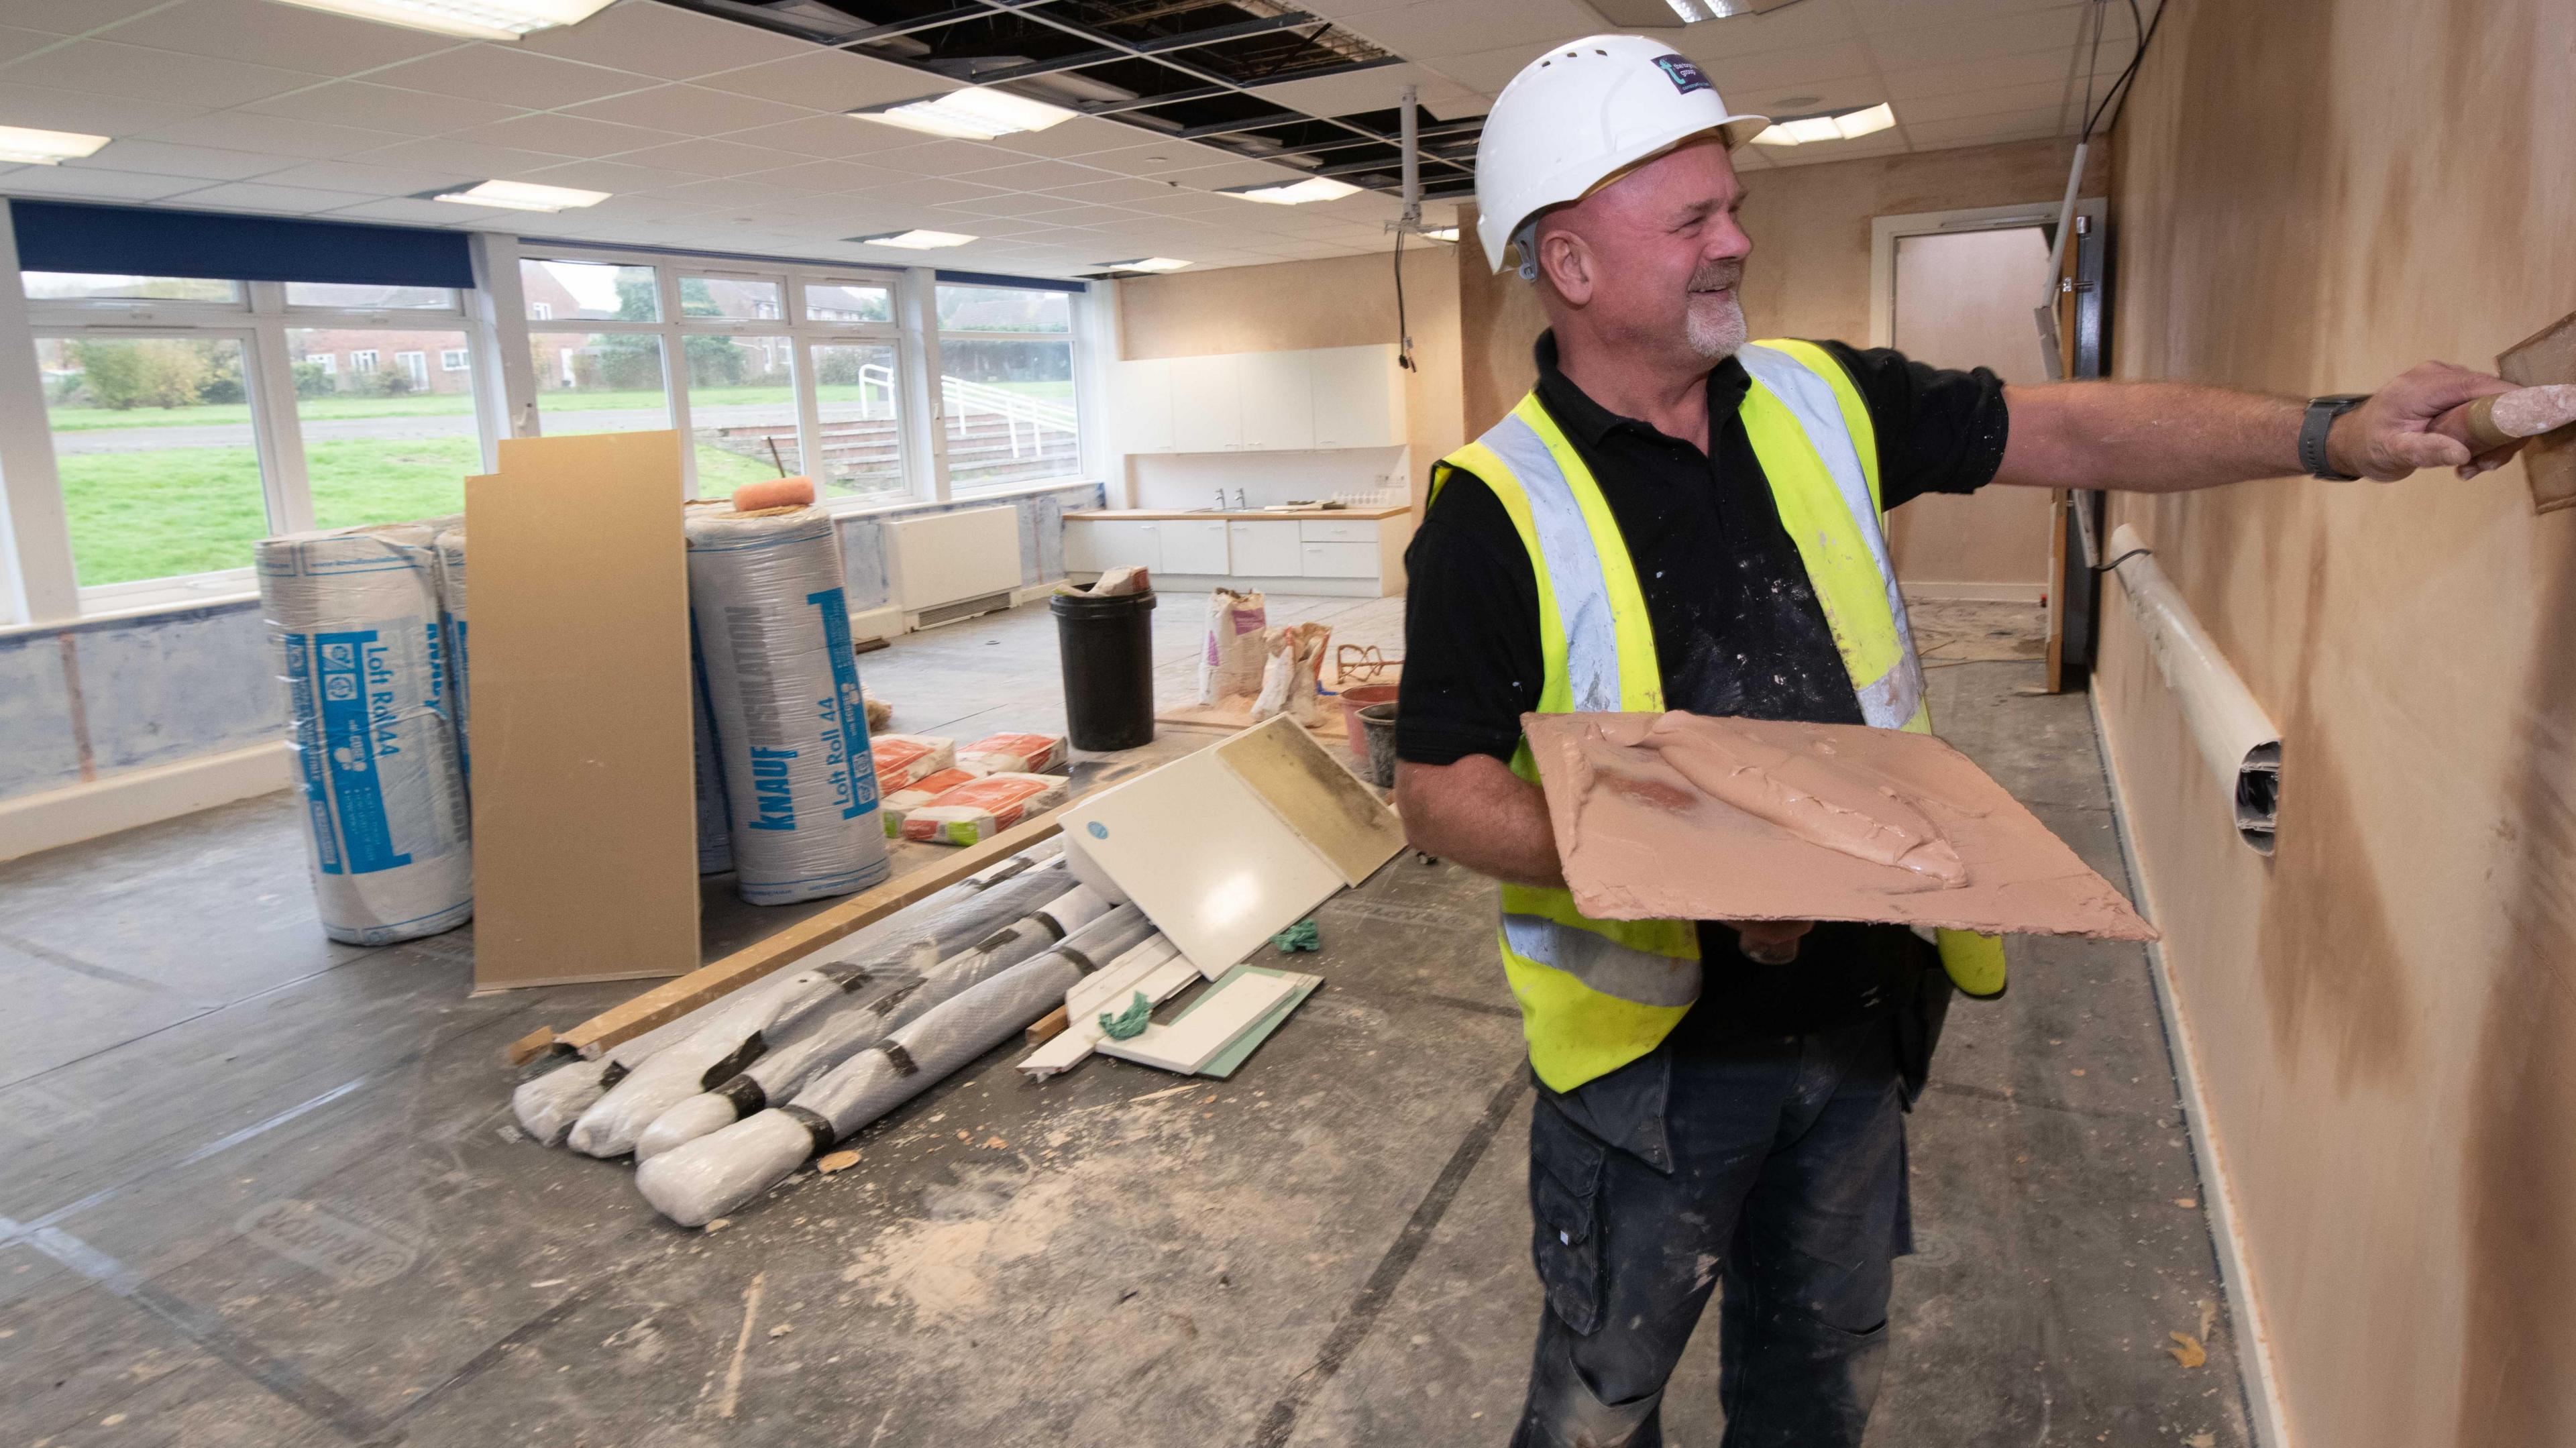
(943, 558)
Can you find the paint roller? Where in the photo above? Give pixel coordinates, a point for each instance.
(695, 1183)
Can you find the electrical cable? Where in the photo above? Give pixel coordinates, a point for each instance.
(1403, 334)
(2120, 87)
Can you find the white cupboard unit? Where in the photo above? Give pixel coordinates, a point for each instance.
(1265, 550)
(1195, 546)
(1326, 397)
(1359, 552)
(1207, 405)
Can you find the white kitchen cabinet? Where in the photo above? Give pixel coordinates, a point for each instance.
(1268, 550)
(1276, 392)
(1338, 560)
(1141, 405)
(1325, 397)
(1100, 544)
(1195, 546)
(1207, 405)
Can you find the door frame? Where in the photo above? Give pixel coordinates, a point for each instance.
(1884, 231)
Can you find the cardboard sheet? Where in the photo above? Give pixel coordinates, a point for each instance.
(1818, 822)
(585, 813)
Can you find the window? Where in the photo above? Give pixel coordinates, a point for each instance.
(842, 301)
(600, 382)
(384, 445)
(414, 365)
(452, 359)
(862, 435)
(157, 454)
(1006, 385)
(329, 362)
(541, 311)
(742, 412)
(571, 289)
(739, 298)
(363, 361)
(88, 287)
(343, 296)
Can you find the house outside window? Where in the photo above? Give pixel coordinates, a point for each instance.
(452, 359)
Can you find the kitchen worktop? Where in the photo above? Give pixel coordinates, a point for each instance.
(1148, 515)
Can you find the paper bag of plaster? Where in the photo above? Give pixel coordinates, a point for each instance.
(1231, 661)
(905, 759)
(1294, 656)
(355, 628)
(898, 806)
(1011, 754)
(982, 808)
(1126, 578)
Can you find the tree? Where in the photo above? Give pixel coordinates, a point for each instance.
(154, 372)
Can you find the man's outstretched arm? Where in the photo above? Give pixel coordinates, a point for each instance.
(2166, 437)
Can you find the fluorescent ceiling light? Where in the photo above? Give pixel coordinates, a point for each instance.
(977, 113)
(522, 196)
(472, 19)
(1145, 264)
(1669, 14)
(915, 240)
(1841, 127)
(29, 147)
(1296, 193)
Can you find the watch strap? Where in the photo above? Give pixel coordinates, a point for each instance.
(2313, 428)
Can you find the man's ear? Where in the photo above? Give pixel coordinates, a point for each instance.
(1566, 263)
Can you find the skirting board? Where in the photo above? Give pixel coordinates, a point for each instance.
(2270, 1416)
(139, 797)
(2033, 594)
(1202, 582)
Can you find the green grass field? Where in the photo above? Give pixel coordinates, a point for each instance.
(450, 404)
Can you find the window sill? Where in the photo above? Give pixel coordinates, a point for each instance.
(996, 495)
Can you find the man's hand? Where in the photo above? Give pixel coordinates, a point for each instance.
(2388, 436)
(1770, 942)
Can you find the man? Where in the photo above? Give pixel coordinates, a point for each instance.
(1704, 1114)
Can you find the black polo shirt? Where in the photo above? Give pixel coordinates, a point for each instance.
(1737, 627)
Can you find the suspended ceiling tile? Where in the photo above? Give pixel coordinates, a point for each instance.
(1235, 173)
(826, 136)
(383, 108)
(99, 67)
(1041, 175)
(829, 80)
(1075, 137)
(1885, 143)
(712, 158)
(411, 211)
(617, 178)
(283, 200)
(931, 191)
(74, 17)
(663, 41)
(163, 159)
(282, 135)
(268, 33)
(1904, 82)
(1434, 29)
(1994, 102)
(1185, 202)
(1007, 204)
(461, 158)
(569, 135)
(1888, 14)
(728, 191)
(623, 207)
(1995, 127)
(360, 177)
(830, 176)
(63, 181)
(15, 42)
(1155, 158)
(1777, 69)
(1115, 190)
(2054, 31)
(691, 109)
(935, 158)
(508, 75)
(1795, 28)
(1488, 70)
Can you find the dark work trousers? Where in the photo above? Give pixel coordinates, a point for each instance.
(1786, 1179)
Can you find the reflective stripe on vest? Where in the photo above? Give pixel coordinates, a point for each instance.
(1598, 994)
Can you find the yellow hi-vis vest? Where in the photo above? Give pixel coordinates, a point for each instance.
(1598, 994)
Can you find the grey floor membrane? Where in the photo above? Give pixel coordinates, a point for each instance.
(265, 1190)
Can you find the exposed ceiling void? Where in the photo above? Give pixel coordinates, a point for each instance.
(1188, 69)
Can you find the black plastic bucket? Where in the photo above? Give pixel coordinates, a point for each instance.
(1107, 645)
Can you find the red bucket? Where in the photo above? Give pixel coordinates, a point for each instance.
(1353, 701)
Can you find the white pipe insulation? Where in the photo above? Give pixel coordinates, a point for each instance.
(2239, 740)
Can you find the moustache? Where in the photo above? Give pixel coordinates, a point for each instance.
(1717, 277)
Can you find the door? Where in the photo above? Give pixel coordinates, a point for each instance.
(1207, 413)
(1964, 299)
(1195, 546)
(1264, 550)
(1278, 400)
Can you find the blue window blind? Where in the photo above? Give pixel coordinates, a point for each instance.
(997, 279)
(63, 236)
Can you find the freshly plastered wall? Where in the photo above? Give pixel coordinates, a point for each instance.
(1344, 301)
(2311, 197)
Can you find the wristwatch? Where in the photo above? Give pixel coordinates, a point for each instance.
(2322, 411)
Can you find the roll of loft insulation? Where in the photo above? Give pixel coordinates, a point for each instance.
(354, 626)
(773, 628)
(715, 833)
(2238, 739)
(450, 548)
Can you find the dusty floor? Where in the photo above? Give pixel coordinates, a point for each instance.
(264, 1190)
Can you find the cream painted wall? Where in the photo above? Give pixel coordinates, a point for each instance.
(2313, 195)
(1964, 299)
(1294, 306)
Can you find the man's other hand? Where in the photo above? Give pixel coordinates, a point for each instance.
(2389, 436)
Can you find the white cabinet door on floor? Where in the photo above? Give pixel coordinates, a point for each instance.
(1359, 397)
(1265, 550)
(1141, 399)
(1278, 400)
(1098, 545)
(1194, 547)
(1207, 412)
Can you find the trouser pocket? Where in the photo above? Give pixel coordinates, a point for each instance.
(1566, 1164)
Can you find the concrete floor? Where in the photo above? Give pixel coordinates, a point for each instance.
(265, 1190)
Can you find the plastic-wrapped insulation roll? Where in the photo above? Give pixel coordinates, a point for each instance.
(450, 548)
(819, 1028)
(706, 1178)
(729, 1040)
(354, 628)
(547, 1105)
(715, 830)
(773, 626)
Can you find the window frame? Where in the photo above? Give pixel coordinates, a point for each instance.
(1077, 325)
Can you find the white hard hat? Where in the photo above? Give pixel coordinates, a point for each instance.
(1581, 113)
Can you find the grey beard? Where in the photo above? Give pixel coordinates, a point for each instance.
(1715, 339)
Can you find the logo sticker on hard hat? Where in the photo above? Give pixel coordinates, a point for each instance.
(1686, 75)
